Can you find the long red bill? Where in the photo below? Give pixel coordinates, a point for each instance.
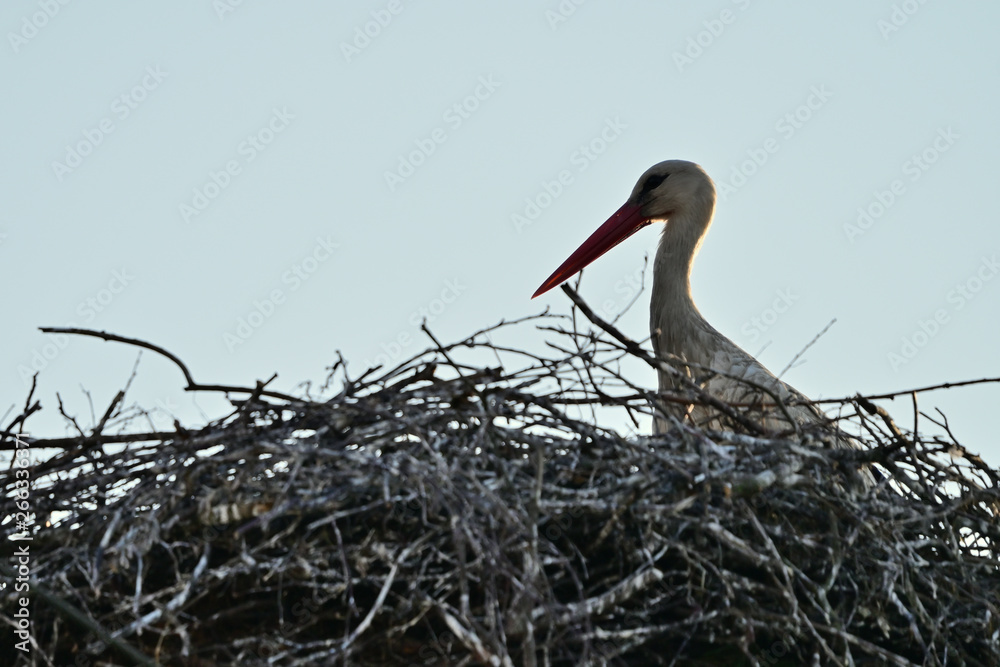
(625, 222)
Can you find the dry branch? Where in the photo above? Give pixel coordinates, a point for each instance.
(473, 505)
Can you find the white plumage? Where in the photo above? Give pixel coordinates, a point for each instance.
(682, 195)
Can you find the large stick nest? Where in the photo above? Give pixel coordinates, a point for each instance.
(453, 512)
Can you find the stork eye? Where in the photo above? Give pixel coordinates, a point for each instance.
(653, 182)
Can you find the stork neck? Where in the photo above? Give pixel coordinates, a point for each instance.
(679, 244)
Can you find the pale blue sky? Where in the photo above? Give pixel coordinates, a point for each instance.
(232, 156)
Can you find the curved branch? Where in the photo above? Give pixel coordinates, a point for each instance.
(191, 384)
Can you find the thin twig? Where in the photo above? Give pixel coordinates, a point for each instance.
(808, 345)
(191, 384)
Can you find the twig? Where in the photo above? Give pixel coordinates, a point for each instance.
(919, 390)
(79, 618)
(191, 384)
(808, 345)
(637, 351)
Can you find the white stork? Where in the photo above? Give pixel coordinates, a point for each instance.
(682, 195)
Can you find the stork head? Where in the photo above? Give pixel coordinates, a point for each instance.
(670, 187)
(664, 191)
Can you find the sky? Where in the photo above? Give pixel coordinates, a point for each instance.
(257, 186)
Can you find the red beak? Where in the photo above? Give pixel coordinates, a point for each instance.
(624, 223)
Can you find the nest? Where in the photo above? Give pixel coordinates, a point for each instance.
(454, 512)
